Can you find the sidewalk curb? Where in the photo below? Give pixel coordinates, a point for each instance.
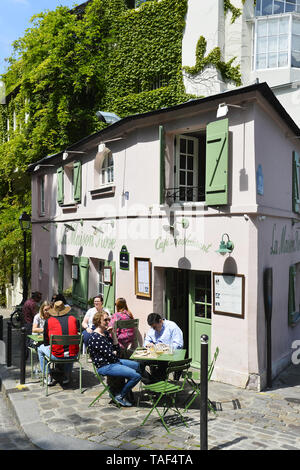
(28, 418)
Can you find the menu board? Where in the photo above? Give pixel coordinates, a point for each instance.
(143, 277)
(229, 294)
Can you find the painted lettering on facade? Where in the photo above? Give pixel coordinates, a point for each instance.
(88, 240)
(283, 244)
(161, 244)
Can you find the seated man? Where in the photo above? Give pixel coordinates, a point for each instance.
(59, 323)
(162, 331)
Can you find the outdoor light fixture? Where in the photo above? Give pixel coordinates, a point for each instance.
(24, 221)
(225, 247)
(69, 227)
(108, 118)
(223, 109)
(183, 222)
(66, 153)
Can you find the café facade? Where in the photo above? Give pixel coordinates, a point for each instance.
(180, 211)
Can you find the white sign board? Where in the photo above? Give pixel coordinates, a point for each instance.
(229, 294)
(143, 277)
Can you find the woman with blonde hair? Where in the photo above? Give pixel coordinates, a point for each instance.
(41, 317)
(125, 335)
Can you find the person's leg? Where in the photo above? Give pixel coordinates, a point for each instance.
(120, 370)
(42, 351)
(85, 337)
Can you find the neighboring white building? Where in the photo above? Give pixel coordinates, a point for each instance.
(265, 41)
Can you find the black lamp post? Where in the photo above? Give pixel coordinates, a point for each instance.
(25, 222)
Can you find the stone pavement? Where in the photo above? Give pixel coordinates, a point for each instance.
(245, 419)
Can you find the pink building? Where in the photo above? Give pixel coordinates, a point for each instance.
(139, 210)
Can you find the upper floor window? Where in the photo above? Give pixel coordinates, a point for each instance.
(274, 7)
(277, 42)
(42, 195)
(69, 183)
(107, 170)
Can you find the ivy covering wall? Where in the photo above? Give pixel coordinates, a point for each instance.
(66, 67)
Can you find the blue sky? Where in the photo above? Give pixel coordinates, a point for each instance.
(14, 20)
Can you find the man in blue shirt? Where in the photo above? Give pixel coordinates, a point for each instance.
(166, 332)
(163, 331)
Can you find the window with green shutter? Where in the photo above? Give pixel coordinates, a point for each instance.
(80, 289)
(296, 181)
(60, 185)
(216, 178)
(109, 289)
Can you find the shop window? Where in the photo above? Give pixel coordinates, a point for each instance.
(294, 294)
(200, 166)
(41, 189)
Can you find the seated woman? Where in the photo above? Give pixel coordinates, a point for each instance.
(125, 335)
(87, 322)
(40, 318)
(104, 352)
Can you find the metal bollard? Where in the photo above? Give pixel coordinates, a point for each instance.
(8, 344)
(23, 356)
(204, 392)
(1, 327)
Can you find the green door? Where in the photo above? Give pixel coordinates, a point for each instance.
(177, 308)
(199, 313)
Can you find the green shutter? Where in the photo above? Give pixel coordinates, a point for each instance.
(80, 290)
(216, 179)
(60, 287)
(109, 290)
(60, 185)
(296, 199)
(77, 181)
(162, 164)
(292, 302)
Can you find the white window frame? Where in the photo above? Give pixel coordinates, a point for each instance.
(42, 194)
(106, 170)
(195, 165)
(101, 277)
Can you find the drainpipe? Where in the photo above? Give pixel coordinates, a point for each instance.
(268, 295)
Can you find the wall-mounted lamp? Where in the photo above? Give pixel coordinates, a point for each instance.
(69, 227)
(37, 167)
(223, 109)
(183, 222)
(225, 247)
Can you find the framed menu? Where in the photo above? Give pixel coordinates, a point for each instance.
(142, 274)
(107, 275)
(229, 294)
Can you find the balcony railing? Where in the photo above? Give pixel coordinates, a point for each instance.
(185, 194)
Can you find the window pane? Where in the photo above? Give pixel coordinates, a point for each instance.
(283, 60)
(191, 147)
(267, 7)
(290, 5)
(272, 44)
(295, 43)
(273, 27)
(262, 45)
(284, 25)
(190, 163)
(258, 8)
(182, 145)
(190, 178)
(261, 28)
(272, 60)
(208, 311)
(296, 59)
(261, 61)
(283, 43)
(278, 7)
(182, 178)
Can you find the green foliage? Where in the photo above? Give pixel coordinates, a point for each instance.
(226, 69)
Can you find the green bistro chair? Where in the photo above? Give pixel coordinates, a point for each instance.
(166, 391)
(196, 386)
(124, 324)
(63, 340)
(105, 388)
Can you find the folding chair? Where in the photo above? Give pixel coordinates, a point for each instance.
(195, 375)
(63, 340)
(105, 388)
(167, 390)
(124, 324)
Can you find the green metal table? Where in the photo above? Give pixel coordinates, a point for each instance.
(178, 355)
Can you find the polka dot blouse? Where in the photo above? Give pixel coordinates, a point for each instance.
(101, 349)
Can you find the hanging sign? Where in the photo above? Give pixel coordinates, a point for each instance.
(229, 294)
(124, 258)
